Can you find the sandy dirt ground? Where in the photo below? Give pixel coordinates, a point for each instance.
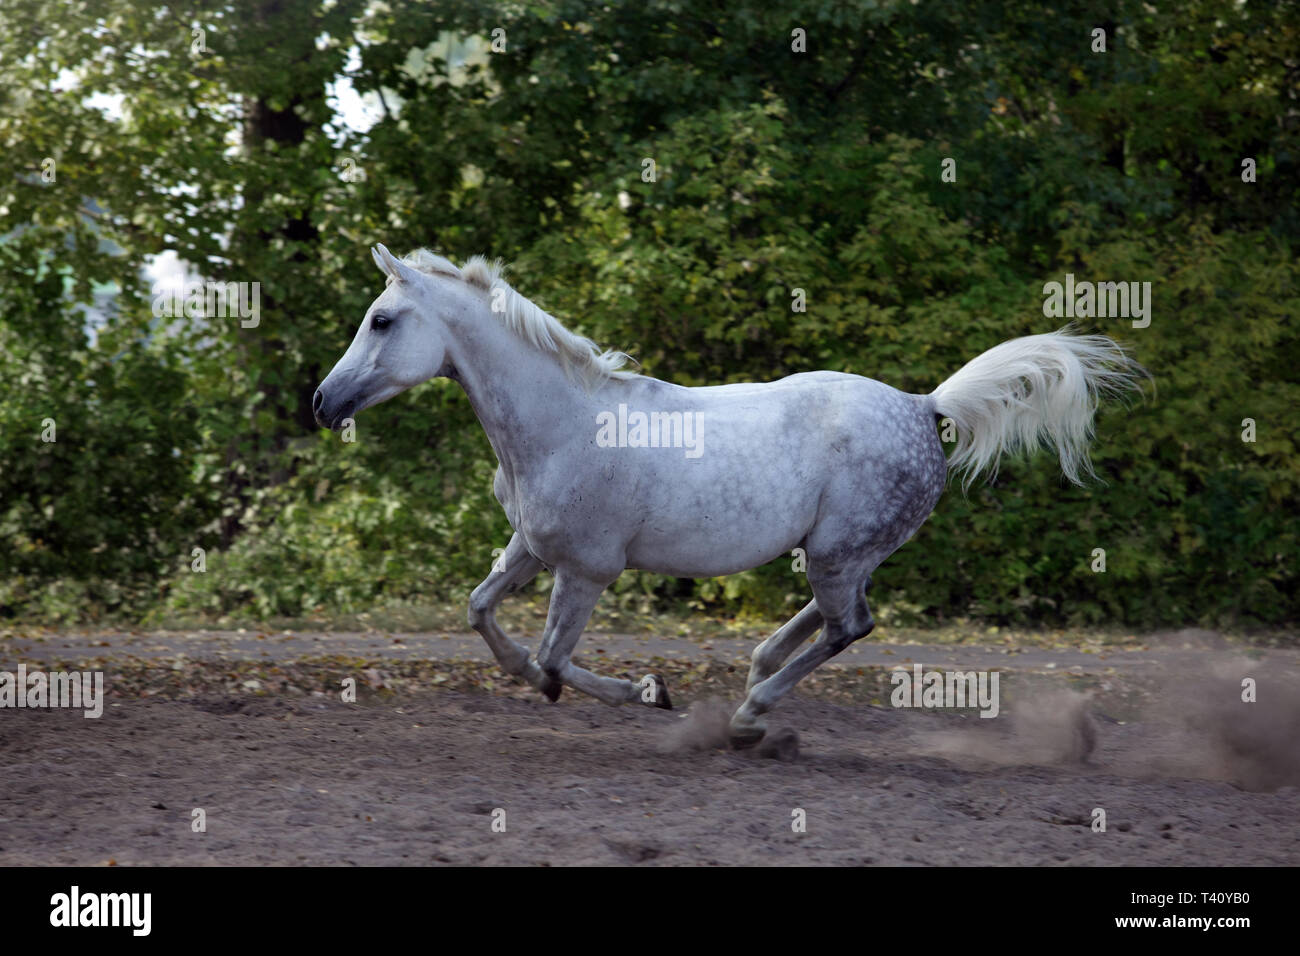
(442, 760)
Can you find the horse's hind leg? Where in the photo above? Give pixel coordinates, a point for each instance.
(840, 598)
(772, 653)
(572, 600)
(518, 567)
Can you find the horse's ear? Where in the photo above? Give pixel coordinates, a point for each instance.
(391, 265)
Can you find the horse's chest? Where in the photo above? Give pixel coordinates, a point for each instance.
(547, 512)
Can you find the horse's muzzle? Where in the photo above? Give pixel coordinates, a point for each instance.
(329, 415)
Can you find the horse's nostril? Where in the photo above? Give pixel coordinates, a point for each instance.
(317, 400)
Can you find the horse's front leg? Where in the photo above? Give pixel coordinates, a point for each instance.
(572, 600)
(516, 568)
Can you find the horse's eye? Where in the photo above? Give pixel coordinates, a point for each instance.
(380, 322)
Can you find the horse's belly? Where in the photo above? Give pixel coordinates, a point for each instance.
(712, 545)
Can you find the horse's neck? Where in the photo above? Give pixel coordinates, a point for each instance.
(523, 399)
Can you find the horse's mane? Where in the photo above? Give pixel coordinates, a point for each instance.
(581, 357)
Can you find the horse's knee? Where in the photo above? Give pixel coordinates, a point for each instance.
(480, 608)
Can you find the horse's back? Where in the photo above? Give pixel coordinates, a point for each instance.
(851, 428)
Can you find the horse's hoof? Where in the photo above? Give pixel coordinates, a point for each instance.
(552, 689)
(662, 700)
(742, 738)
(782, 745)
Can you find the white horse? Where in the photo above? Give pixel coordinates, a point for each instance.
(602, 469)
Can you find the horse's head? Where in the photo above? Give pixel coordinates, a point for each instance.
(402, 342)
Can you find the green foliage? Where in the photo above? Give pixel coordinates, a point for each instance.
(775, 171)
(96, 444)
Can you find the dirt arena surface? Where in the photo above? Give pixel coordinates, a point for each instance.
(415, 777)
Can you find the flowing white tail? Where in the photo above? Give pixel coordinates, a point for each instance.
(1040, 389)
